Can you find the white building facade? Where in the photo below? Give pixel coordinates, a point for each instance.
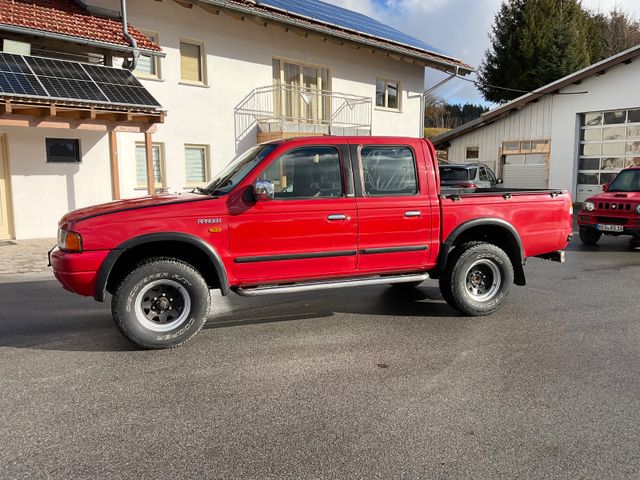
(574, 134)
(228, 81)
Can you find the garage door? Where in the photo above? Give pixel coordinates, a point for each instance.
(524, 171)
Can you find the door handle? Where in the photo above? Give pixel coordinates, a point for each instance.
(335, 217)
(413, 213)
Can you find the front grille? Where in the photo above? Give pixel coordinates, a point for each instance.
(612, 220)
(619, 207)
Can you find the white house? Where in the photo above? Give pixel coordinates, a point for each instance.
(574, 134)
(234, 73)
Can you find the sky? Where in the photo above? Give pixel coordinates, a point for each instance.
(458, 27)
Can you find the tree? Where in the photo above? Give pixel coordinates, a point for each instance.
(533, 42)
(441, 115)
(610, 34)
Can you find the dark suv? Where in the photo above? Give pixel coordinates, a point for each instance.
(467, 175)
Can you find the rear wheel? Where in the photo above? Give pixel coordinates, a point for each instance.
(162, 303)
(589, 236)
(477, 278)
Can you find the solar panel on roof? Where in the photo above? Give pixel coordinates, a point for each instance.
(65, 80)
(334, 15)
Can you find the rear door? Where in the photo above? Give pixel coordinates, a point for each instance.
(309, 230)
(394, 212)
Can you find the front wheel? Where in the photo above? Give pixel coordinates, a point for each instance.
(589, 236)
(162, 303)
(477, 278)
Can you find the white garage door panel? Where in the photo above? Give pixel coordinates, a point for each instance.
(524, 176)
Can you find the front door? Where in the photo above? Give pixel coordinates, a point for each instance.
(394, 211)
(5, 204)
(309, 230)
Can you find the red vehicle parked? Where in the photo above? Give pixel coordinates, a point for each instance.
(616, 211)
(306, 214)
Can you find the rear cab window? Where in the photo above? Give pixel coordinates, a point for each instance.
(388, 171)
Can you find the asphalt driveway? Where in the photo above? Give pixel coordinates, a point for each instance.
(362, 383)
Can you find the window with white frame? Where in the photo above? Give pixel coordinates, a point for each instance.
(388, 94)
(196, 164)
(609, 142)
(157, 153)
(300, 90)
(192, 62)
(148, 66)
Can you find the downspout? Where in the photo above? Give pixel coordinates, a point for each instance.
(129, 64)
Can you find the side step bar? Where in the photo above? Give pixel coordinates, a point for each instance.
(312, 286)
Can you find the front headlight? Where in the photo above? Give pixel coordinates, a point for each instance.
(588, 206)
(69, 241)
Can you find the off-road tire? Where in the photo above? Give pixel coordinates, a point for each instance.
(589, 236)
(133, 294)
(465, 266)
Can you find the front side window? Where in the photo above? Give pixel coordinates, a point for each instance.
(141, 165)
(484, 176)
(310, 172)
(388, 94)
(388, 171)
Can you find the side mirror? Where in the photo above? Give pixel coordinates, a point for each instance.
(605, 187)
(263, 190)
(500, 181)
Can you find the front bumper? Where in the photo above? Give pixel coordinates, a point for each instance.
(77, 272)
(590, 220)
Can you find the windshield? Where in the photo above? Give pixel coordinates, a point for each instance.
(239, 168)
(626, 181)
(453, 174)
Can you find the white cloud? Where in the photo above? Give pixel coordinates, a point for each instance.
(459, 27)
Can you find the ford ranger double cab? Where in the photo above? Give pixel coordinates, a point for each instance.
(302, 215)
(616, 211)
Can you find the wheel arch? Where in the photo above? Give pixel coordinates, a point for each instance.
(496, 231)
(182, 246)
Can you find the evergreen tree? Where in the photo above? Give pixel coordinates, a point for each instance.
(534, 42)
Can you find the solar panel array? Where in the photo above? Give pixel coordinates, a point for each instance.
(26, 76)
(332, 14)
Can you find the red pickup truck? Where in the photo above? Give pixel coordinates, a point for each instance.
(301, 215)
(616, 211)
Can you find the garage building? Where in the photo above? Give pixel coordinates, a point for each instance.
(576, 133)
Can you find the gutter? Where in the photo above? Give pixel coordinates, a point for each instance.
(79, 40)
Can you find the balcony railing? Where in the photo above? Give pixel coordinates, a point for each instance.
(296, 109)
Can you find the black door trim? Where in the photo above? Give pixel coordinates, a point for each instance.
(295, 256)
(410, 248)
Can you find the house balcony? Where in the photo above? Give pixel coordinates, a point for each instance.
(287, 111)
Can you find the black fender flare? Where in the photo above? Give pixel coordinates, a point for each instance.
(113, 256)
(447, 246)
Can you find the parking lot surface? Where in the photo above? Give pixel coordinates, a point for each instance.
(362, 383)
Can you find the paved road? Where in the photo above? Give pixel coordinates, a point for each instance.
(365, 383)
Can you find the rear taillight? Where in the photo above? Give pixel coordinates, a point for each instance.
(466, 185)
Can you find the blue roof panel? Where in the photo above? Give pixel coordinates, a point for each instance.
(347, 19)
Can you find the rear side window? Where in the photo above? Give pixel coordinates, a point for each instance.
(309, 172)
(388, 171)
(449, 174)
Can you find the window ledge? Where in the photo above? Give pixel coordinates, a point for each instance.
(388, 110)
(193, 84)
(152, 79)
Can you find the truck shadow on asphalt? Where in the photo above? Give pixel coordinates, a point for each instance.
(51, 319)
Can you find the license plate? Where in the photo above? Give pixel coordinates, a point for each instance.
(610, 228)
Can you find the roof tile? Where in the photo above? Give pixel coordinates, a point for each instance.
(68, 18)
